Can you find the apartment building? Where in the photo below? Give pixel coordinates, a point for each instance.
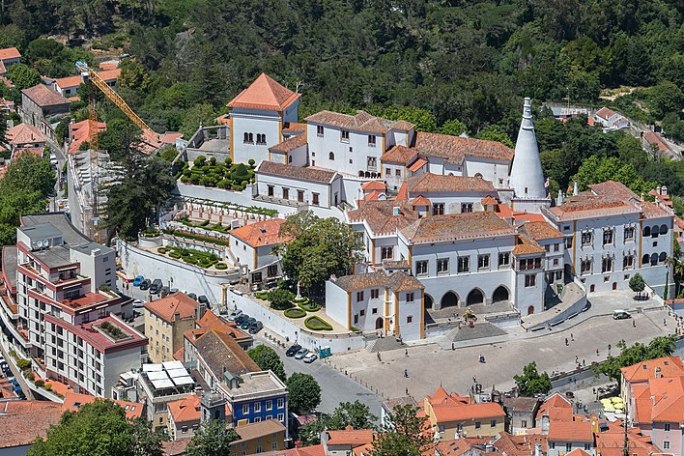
(166, 320)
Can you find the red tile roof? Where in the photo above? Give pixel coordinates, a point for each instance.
(187, 410)
(541, 231)
(10, 53)
(399, 154)
(605, 113)
(110, 74)
(670, 367)
(84, 131)
(454, 227)
(420, 201)
(571, 431)
(350, 437)
(653, 138)
(259, 234)
(24, 134)
(35, 151)
(310, 173)
(417, 165)
(454, 149)
(43, 96)
(557, 408)
(440, 183)
(526, 246)
(177, 303)
(361, 121)
(384, 216)
(264, 94)
(22, 422)
(373, 185)
(397, 281)
(290, 144)
(73, 401)
(69, 81)
(450, 412)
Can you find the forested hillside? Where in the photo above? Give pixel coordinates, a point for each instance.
(460, 59)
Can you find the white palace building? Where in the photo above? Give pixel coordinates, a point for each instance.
(445, 221)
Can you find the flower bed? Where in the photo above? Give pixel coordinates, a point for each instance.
(316, 323)
(295, 312)
(221, 266)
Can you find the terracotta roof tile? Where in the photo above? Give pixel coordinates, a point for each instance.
(384, 216)
(450, 411)
(264, 94)
(10, 53)
(670, 367)
(557, 408)
(73, 401)
(526, 246)
(417, 165)
(351, 437)
(520, 445)
(175, 447)
(293, 127)
(402, 125)
(266, 232)
(43, 96)
(20, 152)
(420, 201)
(454, 149)
(310, 173)
(84, 131)
(109, 75)
(397, 281)
(187, 410)
(220, 351)
(541, 231)
(261, 429)
(653, 138)
(24, 134)
(605, 113)
(374, 185)
(489, 201)
(454, 227)
(290, 144)
(399, 154)
(166, 308)
(22, 422)
(588, 206)
(361, 121)
(440, 183)
(571, 431)
(69, 81)
(652, 210)
(614, 189)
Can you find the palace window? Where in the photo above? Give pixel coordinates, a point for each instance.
(443, 266)
(438, 209)
(530, 280)
(483, 262)
(628, 262)
(466, 207)
(371, 140)
(344, 136)
(607, 265)
(463, 264)
(629, 233)
(585, 267)
(504, 259)
(387, 253)
(586, 238)
(421, 267)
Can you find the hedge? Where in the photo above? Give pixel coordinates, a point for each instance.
(197, 237)
(262, 295)
(221, 266)
(294, 312)
(315, 323)
(307, 305)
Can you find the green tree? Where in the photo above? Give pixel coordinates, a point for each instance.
(97, 428)
(281, 299)
(145, 186)
(147, 441)
(32, 173)
(267, 359)
(600, 169)
(423, 119)
(199, 114)
(304, 393)
(453, 127)
(637, 283)
(495, 134)
(319, 248)
(407, 435)
(212, 438)
(23, 76)
(119, 138)
(531, 382)
(657, 348)
(354, 414)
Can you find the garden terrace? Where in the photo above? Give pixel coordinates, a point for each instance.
(210, 173)
(195, 257)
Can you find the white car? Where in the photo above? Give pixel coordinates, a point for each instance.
(138, 303)
(234, 314)
(310, 357)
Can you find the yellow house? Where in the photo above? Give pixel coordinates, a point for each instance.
(262, 437)
(166, 320)
(455, 416)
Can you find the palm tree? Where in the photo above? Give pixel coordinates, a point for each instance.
(677, 265)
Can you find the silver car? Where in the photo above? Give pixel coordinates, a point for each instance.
(234, 314)
(302, 353)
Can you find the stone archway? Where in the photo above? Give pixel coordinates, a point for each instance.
(530, 310)
(429, 302)
(450, 299)
(475, 297)
(501, 294)
(379, 323)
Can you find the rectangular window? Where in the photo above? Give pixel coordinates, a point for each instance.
(374, 310)
(585, 267)
(586, 238)
(269, 405)
(409, 319)
(286, 193)
(438, 209)
(371, 140)
(628, 262)
(607, 265)
(607, 236)
(344, 136)
(463, 264)
(362, 312)
(409, 297)
(421, 267)
(478, 425)
(556, 247)
(320, 131)
(629, 233)
(466, 207)
(257, 407)
(667, 426)
(281, 404)
(523, 423)
(483, 262)
(270, 190)
(315, 198)
(375, 293)
(245, 409)
(666, 445)
(568, 242)
(281, 416)
(530, 280)
(359, 295)
(587, 446)
(442, 265)
(492, 423)
(568, 446)
(388, 172)
(387, 253)
(300, 196)
(504, 259)
(397, 172)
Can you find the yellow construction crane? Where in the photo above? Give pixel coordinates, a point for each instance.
(89, 75)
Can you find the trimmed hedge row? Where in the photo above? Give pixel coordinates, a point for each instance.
(294, 312)
(316, 323)
(307, 305)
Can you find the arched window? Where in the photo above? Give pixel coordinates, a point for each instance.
(478, 175)
(647, 231)
(246, 138)
(331, 156)
(663, 229)
(251, 137)
(645, 259)
(655, 231)
(663, 257)
(654, 259)
(289, 158)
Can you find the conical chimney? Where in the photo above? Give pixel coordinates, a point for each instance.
(527, 178)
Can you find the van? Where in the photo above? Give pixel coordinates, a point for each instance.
(620, 314)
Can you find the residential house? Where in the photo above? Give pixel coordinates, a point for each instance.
(638, 375)
(25, 138)
(74, 401)
(22, 422)
(68, 86)
(185, 416)
(40, 105)
(212, 322)
(253, 246)
(610, 120)
(654, 143)
(454, 416)
(378, 302)
(520, 413)
(346, 441)
(567, 436)
(259, 437)
(166, 320)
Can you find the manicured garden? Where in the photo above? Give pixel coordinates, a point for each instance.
(210, 173)
(205, 225)
(196, 237)
(295, 312)
(293, 307)
(194, 257)
(316, 323)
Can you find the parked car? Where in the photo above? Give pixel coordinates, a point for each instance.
(310, 358)
(621, 315)
(256, 327)
(302, 353)
(241, 318)
(247, 323)
(234, 315)
(138, 280)
(138, 303)
(204, 300)
(156, 286)
(223, 312)
(145, 284)
(293, 350)
(193, 296)
(164, 291)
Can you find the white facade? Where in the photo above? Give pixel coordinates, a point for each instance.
(253, 132)
(347, 151)
(299, 190)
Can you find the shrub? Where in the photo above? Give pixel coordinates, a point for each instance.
(295, 312)
(280, 299)
(200, 161)
(212, 161)
(48, 386)
(185, 179)
(162, 250)
(30, 376)
(316, 323)
(23, 364)
(251, 162)
(262, 295)
(40, 383)
(309, 306)
(174, 255)
(221, 266)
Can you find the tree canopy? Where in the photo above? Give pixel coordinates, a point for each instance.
(407, 435)
(657, 348)
(212, 438)
(267, 359)
(531, 382)
(304, 393)
(354, 414)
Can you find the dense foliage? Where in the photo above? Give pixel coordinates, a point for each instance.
(354, 414)
(267, 359)
(212, 439)
(407, 435)
(531, 382)
(304, 393)
(99, 428)
(657, 348)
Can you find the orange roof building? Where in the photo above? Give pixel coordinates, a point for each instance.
(22, 422)
(253, 246)
(10, 55)
(185, 415)
(346, 440)
(264, 94)
(73, 401)
(84, 131)
(166, 320)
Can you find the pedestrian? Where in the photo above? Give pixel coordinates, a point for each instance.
(576, 359)
(593, 390)
(609, 347)
(407, 392)
(406, 373)
(379, 359)
(584, 362)
(406, 352)
(572, 337)
(597, 352)
(566, 341)
(633, 323)
(453, 347)
(665, 321)
(474, 380)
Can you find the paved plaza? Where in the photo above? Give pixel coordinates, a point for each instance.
(429, 365)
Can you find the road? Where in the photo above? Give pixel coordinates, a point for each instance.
(335, 386)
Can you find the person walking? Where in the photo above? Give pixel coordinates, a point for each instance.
(405, 373)
(566, 341)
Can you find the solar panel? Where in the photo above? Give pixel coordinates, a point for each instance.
(157, 376)
(168, 365)
(152, 367)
